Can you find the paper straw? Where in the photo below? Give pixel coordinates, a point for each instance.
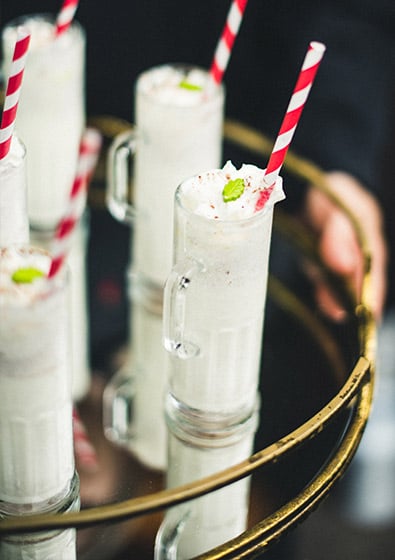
(299, 97)
(84, 450)
(65, 16)
(226, 41)
(88, 155)
(13, 91)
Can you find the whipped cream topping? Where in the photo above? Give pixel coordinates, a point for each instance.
(13, 259)
(164, 84)
(202, 194)
(41, 29)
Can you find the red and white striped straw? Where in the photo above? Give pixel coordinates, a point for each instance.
(227, 39)
(65, 16)
(13, 90)
(84, 450)
(299, 97)
(88, 155)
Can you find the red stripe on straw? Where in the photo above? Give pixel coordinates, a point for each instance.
(296, 105)
(65, 16)
(13, 91)
(227, 39)
(84, 450)
(88, 155)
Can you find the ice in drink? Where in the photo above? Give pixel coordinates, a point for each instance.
(51, 114)
(14, 225)
(36, 439)
(215, 296)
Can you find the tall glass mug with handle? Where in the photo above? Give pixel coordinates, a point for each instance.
(37, 471)
(214, 302)
(216, 293)
(51, 112)
(179, 122)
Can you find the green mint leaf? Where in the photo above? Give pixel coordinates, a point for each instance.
(233, 190)
(26, 275)
(187, 85)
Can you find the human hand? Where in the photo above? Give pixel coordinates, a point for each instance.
(338, 244)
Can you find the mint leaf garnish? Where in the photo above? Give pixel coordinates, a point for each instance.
(26, 275)
(187, 85)
(233, 190)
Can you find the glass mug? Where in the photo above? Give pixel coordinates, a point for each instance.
(214, 302)
(37, 472)
(175, 136)
(51, 112)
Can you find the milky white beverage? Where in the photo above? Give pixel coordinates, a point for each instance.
(14, 226)
(215, 295)
(76, 262)
(50, 117)
(36, 440)
(179, 122)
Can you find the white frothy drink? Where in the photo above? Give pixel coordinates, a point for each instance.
(51, 115)
(36, 440)
(14, 225)
(179, 126)
(215, 296)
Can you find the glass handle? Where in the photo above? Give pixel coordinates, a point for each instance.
(119, 176)
(174, 307)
